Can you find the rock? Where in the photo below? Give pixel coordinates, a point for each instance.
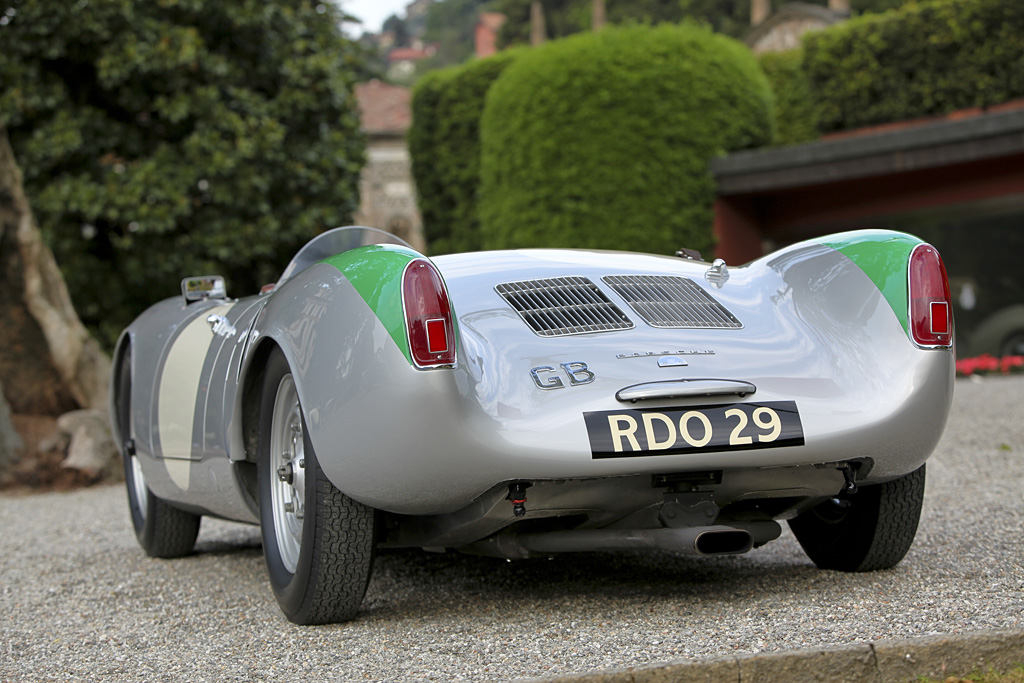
(10, 441)
(70, 422)
(56, 441)
(91, 448)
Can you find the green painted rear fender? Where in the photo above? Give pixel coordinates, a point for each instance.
(376, 274)
(883, 255)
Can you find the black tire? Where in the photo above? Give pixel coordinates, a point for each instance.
(1013, 345)
(868, 530)
(161, 529)
(319, 561)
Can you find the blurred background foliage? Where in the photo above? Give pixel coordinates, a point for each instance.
(582, 140)
(796, 117)
(449, 24)
(929, 58)
(926, 59)
(163, 138)
(444, 145)
(566, 17)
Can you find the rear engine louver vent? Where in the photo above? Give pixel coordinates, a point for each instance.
(672, 302)
(562, 306)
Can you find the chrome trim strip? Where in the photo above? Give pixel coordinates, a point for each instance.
(684, 388)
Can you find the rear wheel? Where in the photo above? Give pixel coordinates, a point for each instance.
(318, 543)
(162, 530)
(871, 529)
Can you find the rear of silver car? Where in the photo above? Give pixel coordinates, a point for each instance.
(627, 401)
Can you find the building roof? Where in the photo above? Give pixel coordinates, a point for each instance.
(411, 54)
(927, 144)
(384, 109)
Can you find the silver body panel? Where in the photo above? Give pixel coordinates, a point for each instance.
(437, 448)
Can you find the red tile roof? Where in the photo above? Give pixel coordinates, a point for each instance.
(383, 108)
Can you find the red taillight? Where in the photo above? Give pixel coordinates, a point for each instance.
(931, 310)
(428, 316)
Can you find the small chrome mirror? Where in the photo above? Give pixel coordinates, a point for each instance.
(204, 287)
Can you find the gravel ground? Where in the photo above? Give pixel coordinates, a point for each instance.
(81, 602)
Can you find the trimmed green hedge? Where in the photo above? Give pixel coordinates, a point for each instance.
(423, 142)
(444, 143)
(927, 58)
(795, 107)
(602, 140)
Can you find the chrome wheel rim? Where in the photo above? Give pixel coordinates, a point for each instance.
(139, 486)
(287, 467)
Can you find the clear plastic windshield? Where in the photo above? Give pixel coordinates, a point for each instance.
(336, 241)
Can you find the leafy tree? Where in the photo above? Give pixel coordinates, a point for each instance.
(396, 25)
(929, 58)
(645, 11)
(161, 138)
(871, 6)
(565, 17)
(451, 25)
(561, 18)
(731, 17)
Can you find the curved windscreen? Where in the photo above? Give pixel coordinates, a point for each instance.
(336, 241)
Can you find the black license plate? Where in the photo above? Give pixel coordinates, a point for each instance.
(732, 427)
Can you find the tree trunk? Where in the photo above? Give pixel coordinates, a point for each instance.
(49, 363)
(759, 11)
(538, 31)
(598, 16)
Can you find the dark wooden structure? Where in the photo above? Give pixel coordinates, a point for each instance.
(865, 178)
(955, 181)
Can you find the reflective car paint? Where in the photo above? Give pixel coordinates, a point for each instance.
(883, 256)
(817, 331)
(375, 272)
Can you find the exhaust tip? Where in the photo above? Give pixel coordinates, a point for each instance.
(724, 542)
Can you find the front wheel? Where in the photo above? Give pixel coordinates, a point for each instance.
(162, 530)
(317, 542)
(871, 529)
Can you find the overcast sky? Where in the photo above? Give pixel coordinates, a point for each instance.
(372, 12)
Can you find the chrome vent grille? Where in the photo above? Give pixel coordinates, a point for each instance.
(561, 306)
(672, 302)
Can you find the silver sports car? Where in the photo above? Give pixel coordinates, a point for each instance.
(531, 402)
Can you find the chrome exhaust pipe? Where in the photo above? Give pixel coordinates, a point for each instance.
(709, 540)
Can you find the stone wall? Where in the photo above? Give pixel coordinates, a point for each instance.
(387, 191)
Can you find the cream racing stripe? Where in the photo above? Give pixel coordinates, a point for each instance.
(178, 471)
(179, 386)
